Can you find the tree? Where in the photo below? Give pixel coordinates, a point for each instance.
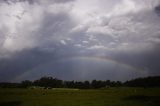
(98, 84)
(69, 84)
(87, 85)
(26, 83)
(49, 82)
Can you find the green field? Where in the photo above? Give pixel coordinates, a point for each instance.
(74, 97)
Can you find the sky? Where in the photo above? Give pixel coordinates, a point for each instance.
(79, 39)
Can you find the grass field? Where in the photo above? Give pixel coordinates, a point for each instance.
(74, 97)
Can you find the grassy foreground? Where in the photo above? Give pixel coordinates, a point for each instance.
(74, 97)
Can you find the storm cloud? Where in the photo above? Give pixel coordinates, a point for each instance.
(79, 39)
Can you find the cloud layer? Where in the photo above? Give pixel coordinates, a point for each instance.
(48, 37)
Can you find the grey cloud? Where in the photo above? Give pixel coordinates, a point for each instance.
(63, 1)
(9, 2)
(148, 60)
(52, 35)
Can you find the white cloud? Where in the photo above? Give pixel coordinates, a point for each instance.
(97, 47)
(85, 42)
(63, 42)
(78, 45)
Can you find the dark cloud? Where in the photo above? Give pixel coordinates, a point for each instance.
(22, 62)
(157, 9)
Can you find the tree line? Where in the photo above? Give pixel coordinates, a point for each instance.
(144, 82)
(50, 82)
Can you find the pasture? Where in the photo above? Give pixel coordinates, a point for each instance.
(74, 97)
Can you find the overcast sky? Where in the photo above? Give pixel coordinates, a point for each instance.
(79, 39)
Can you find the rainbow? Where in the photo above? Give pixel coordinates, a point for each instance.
(110, 60)
(86, 58)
